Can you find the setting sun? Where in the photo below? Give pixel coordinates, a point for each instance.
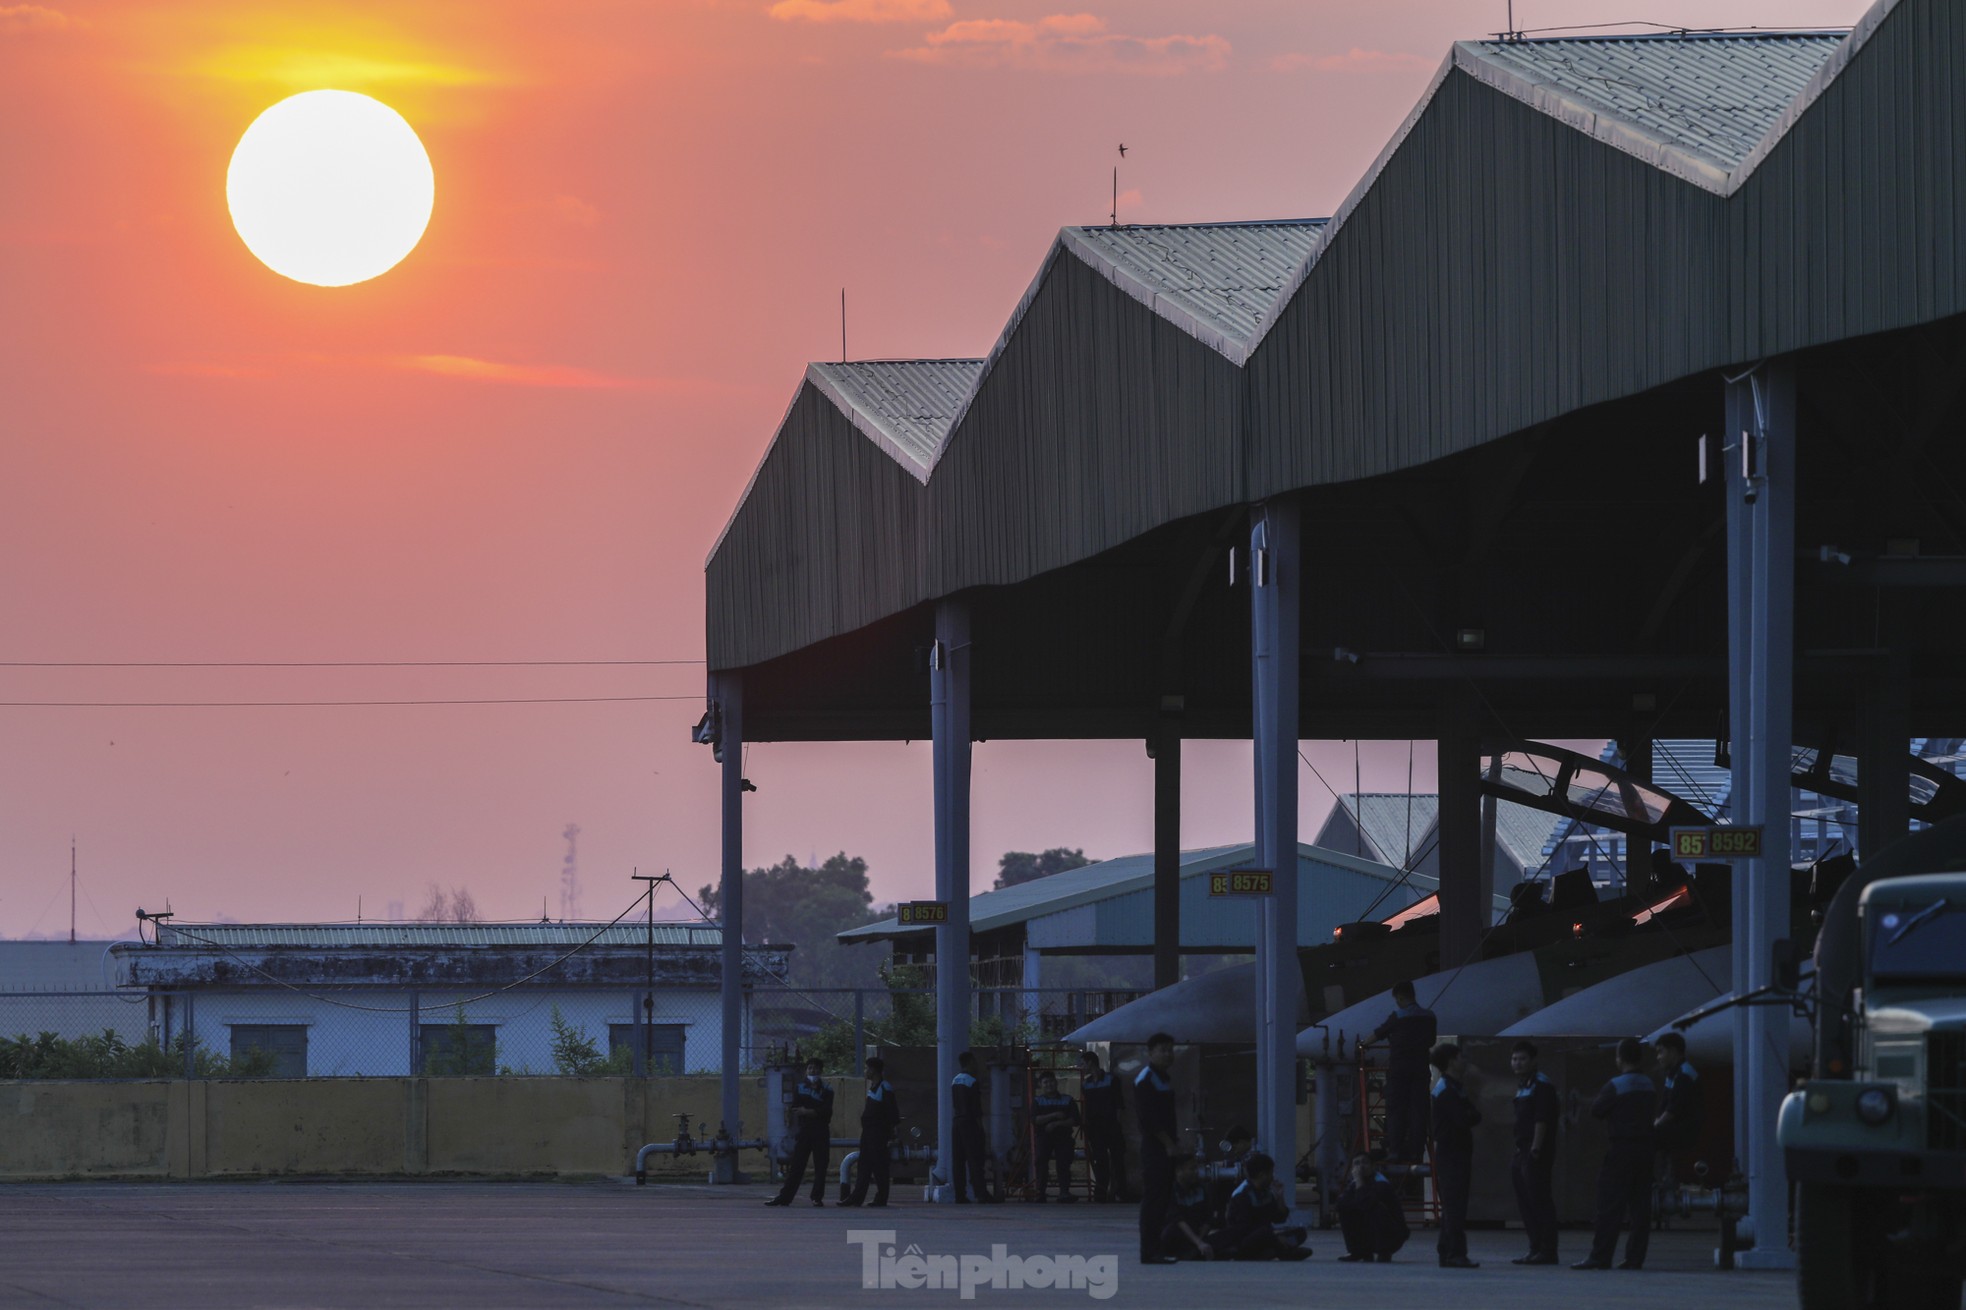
(330, 188)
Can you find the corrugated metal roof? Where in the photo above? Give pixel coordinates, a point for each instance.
(1102, 881)
(906, 406)
(339, 936)
(1713, 95)
(1217, 281)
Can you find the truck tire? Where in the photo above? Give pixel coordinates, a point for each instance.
(1832, 1272)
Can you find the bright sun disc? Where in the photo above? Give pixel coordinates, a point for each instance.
(330, 187)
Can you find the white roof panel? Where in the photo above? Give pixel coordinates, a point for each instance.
(1713, 96)
(905, 406)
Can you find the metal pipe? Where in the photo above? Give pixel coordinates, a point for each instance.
(926, 1153)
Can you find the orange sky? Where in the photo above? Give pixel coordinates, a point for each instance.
(520, 443)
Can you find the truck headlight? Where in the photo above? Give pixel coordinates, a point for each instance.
(1875, 1106)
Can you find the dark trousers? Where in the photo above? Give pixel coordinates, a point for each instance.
(1453, 1171)
(1369, 1231)
(1156, 1193)
(1407, 1112)
(1535, 1199)
(967, 1168)
(874, 1167)
(1105, 1159)
(1055, 1148)
(1624, 1189)
(819, 1151)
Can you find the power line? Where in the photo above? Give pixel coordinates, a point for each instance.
(319, 704)
(334, 664)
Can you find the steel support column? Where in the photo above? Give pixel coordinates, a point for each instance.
(1761, 540)
(1275, 599)
(1167, 852)
(728, 693)
(949, 710)
(1466, 904)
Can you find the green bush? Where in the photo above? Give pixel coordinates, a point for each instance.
(110, 1055)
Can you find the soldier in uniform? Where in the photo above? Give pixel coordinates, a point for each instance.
(1455, 1117)
(1189, 1216)
(1369, 1215)
(1537, 1109)
(1409, 1033)
(1054, 1122)
(878, 1117)
(1628, 1104)
(812, 1120)
(1251, 1225)
(1105, 1140)
(1681, 1117)
(970, 1148)
(1153, 1107)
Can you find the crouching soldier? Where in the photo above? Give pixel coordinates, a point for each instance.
(1252, 1226)
(1369, 1214)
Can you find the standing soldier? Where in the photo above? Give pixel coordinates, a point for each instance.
(1105, 1141)
(1409, 1033)
(1054, 1119)
(812, 1119)
(877, 1120)
(1537, 1109)
(1153, 1106)
(1628, 1103)
(967, 1100)
(1678, 1126)
(1455, 1117)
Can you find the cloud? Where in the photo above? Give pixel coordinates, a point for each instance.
(18, 20)
(860, 11)
(306, 66)
(1355, 60)
(1065, 43)
(471, 369)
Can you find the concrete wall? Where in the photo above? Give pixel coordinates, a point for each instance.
(361, 1126)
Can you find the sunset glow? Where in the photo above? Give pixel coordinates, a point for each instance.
(330, 187)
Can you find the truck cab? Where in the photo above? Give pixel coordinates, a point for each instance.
(1875, 1140)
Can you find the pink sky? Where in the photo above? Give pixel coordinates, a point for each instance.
(520, 443)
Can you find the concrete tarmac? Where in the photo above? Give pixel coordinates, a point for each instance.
(490, 1246)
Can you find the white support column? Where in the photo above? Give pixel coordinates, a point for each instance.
(1275, 599)
(949, 707)
(728, 692)
(1761, 409)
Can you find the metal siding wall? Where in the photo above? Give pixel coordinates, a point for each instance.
(828, 541)
(1099, 422)
(1854, 223)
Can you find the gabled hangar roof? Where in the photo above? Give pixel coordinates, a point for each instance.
(1557, 224)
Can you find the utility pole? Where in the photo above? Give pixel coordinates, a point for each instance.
(648, 997)
(71, 889)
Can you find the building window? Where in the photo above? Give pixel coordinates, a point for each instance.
(439, 1053)
(286, 1043)
(668, 1046)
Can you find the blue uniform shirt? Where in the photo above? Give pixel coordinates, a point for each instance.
(1153, 1104)
(1409, 1034)
(968, 1104)
(1628, 1104)
(1454, 1118)
(818, 1098)
(1536, 1102)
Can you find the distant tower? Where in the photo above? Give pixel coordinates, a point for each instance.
(570, 874)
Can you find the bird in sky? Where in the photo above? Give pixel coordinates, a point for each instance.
(1122, 150)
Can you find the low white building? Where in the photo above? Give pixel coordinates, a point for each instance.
(327, 1000)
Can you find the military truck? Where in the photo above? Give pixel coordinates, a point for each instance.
(1875, 1139)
